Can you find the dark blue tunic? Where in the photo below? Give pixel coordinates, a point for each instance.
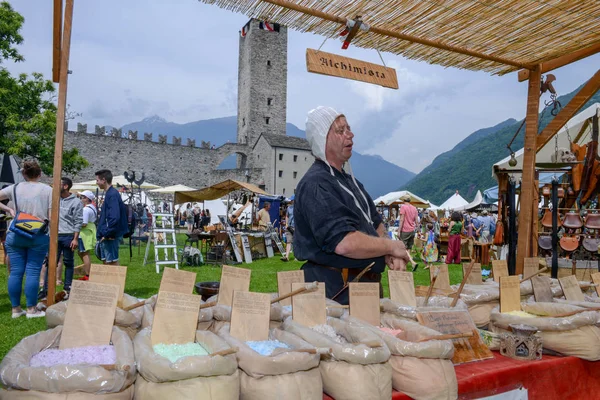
(324, 214)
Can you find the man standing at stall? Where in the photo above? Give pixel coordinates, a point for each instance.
(263, 218)
(337, 228)
(112, 224)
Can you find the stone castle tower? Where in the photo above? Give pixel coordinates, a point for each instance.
(262, 83)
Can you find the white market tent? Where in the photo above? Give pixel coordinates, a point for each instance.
(476, 202)
(172, 189)
(578, 128)
(455, 202)
(9, 170)
(394, 198)
(117, 180)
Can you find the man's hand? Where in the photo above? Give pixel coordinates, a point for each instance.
(74, 244)
(395, 264)
(398, 256)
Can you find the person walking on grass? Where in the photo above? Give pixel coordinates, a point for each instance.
(455, 229)
(430, 250)
(27, 253)
(289, 229)
(112, 224)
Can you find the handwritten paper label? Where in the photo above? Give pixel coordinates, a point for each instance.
(178, 281)
(90, 314)
(232, 279)
(443, 278)
(364, 302)
(499, 268)
(453, 322)
(510, 294)
(402, 287)
(250, 315)
(571, 289)
(475, 275)
(309, 307)
(111, 274)
(284, 283)
(542, 292)
(175, 318)
(530, 267)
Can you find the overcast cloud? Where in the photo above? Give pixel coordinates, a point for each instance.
(178, 59)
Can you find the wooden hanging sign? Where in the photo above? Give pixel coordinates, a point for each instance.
(250, 314)
(309, 308)
(285, 279)
(232, 279)
(454, 322)
(178, 281)
(402, 287)
(90, 315)
(596, 280)
(364, 302)
(474, 277)
(111, 274)
(542, 292)
(571, 289)
(175, 318)
(443, 279)
(510, 294)
(499, 268)
(320, 62)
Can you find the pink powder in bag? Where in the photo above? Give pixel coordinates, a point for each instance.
(393, 332)
(93, 355)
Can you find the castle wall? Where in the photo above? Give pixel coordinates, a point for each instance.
(164, 164)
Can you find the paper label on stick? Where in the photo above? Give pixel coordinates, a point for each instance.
(474, 277)
(175, 318)
(443, 278)
(510, 294)
(284, 283)
(454, 322)
(402, 287)
(232, 279)
(90, 314)
(571, 289)
(309, 308)
(250, 314)
(596, 280)
(111, 274)
(531, 266)
(178, 281)
(542, 292)
(364, 302)
(499, 268)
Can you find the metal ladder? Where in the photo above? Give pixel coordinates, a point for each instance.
(167, 226)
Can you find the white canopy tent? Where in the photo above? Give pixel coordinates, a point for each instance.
(577, 128)
(9, 170)
(394, 197)
(172, 189)
(455, 202)
(116, 181)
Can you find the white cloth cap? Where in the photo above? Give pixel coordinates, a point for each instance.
(318, 123)
(88, 194)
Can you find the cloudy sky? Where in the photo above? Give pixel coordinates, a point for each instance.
(178, 59)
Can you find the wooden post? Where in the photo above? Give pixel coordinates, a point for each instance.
(56, 38)
(58, 151)
(528, 178)
(534, 216)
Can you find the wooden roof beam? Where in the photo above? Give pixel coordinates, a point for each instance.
(56, 40)
(569, 111)
(563, 60)
(410, 38)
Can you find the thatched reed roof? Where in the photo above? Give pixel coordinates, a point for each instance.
(518, 32)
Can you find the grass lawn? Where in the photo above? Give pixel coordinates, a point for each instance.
(143, 282)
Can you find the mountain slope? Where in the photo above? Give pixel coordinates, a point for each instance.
(377, 175)
(468, 166)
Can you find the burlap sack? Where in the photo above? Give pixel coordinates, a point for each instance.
(223, 387)
(205, 316)
(126, 394)
(128, 321)
(334, 309)
(155, 368)
(420, 370)
(410, 313)
(355, 370)
(576, 335)
(283, 375)
(15, 372)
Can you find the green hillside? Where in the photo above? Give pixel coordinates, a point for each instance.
(468, 167)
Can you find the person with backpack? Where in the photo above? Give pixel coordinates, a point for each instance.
(113, 222)
(87, 236)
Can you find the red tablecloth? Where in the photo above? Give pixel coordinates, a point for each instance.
(552, 378)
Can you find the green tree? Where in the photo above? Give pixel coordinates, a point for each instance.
(27, 113)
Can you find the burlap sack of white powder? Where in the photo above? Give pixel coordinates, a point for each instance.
(129, 321)
(66, 381)
(354, 370)
(282, 375)
(204, 377)
(576, 335)
(205, 315)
